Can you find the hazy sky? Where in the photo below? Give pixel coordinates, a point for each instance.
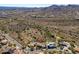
(26, 5)
(36, 3)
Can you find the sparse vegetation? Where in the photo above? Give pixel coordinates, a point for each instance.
(35, 30)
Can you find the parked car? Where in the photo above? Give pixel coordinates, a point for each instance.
(51, 45)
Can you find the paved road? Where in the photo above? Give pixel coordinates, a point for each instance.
(13, 41)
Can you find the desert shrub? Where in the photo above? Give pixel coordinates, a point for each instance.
(0, 46)
(72, 44)
(60, 52)
(53, 52)
(34, 37)
(28, 28)
(48, 33)
(72, 49)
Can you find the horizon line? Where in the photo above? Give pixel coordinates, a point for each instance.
(33, 5)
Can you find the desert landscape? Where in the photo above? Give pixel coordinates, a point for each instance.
(43, 30)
